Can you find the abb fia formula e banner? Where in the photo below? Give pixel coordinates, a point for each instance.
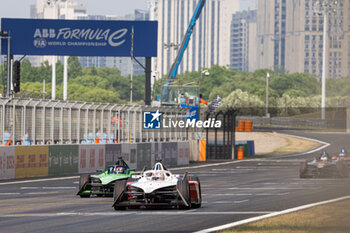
(31, 161)
(80, 37)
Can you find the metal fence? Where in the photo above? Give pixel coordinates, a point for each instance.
(38, 122)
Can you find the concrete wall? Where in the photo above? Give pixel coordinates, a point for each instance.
(56, 160)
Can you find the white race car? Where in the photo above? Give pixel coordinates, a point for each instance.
(157, 187)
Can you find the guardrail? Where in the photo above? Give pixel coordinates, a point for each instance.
(41, 122)
(295, 123)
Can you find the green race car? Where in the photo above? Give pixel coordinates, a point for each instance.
(102, 184)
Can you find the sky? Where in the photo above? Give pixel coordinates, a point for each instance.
(10, 8)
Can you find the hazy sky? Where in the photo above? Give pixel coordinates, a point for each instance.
(21, 8)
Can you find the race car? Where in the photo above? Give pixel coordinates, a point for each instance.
(343, 156)
(157, 187)
(323, 167)
(103, 184)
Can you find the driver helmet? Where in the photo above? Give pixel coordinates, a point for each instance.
(159, 176)
(342, 153)
(119, 170)
(324, 156)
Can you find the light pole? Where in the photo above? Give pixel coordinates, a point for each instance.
(5, 34)
(54, 58)
(131, 63)
(65, 63)
(205, 72)
(169, 46)
(267, 94)
(324, 7)
(53, 91)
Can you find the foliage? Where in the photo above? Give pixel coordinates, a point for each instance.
(84, 84)
(239, 99)
(238, 89)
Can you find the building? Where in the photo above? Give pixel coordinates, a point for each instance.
(122, 63)
(77, 11)
(44, 9)
(248, 5)
(243, 41)
(290, 37)
(210, 42)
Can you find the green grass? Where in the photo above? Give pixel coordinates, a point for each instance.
(333, 218)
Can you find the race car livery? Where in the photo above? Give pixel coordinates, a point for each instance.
(157, 187)
(323, 167)
(103, 184)
(343, 156)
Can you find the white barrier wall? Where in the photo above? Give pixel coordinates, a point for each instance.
(56, 160)
(183, 149)
(129, 154)
(91, 158)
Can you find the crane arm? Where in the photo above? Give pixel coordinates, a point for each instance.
(184, 45)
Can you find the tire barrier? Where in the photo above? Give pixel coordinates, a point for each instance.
(244, 126)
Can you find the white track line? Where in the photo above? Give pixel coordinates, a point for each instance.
(273, 214)
(162, 213)
(41, 193)
(76, 177)
(32, 188)
(325, 145)
(206, 165)
(40, 180)
(267, 188)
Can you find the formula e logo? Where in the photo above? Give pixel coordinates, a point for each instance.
(40, 43)
(152, 120)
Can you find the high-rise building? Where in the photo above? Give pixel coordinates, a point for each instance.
(243, 41)
(122, 63)
(45, 9)
(210, 42)
(290, 36)
(77, 11)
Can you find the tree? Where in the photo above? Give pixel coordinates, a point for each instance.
(74, 68)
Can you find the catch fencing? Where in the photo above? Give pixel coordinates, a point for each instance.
(41, 122)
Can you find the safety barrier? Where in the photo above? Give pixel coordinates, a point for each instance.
(55, 160)
(244, 126)
(47, 122)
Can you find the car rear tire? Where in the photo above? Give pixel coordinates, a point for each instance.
(184, 188)
(83, 179)
(197, 205)
(119, 188)
(303, 170)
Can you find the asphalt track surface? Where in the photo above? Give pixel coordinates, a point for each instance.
(231, 192)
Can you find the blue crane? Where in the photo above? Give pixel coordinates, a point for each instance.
(184, 45)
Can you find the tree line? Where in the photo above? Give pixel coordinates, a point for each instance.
(239, 89)
(105, 85)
